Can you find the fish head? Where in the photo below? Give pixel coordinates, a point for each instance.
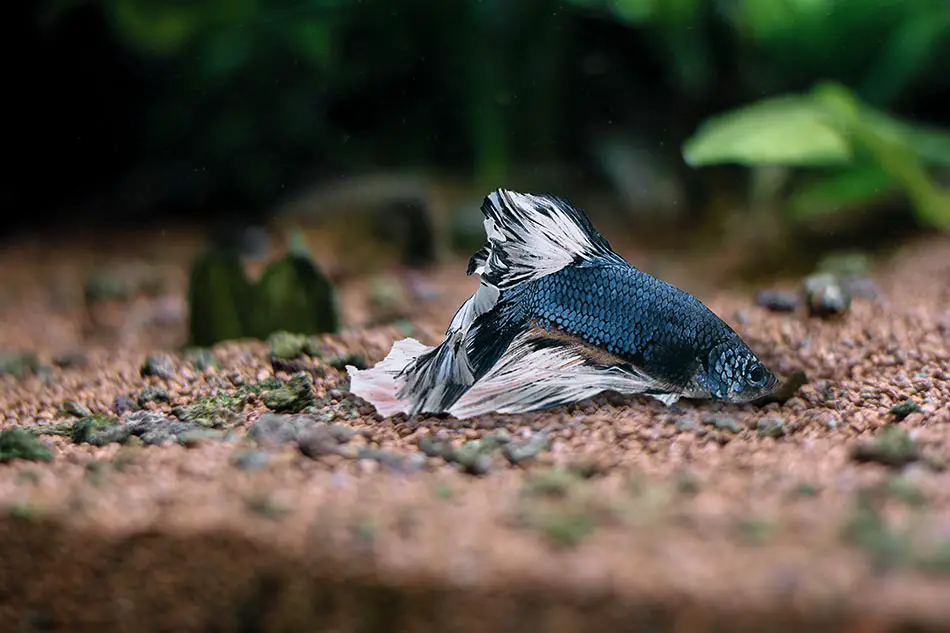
(733, 373)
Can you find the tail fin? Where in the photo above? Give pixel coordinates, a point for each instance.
(529, 237)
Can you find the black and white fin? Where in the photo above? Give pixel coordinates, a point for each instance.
(537, 373)
(532, 236)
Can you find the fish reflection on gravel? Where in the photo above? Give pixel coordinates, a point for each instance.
(559, 317)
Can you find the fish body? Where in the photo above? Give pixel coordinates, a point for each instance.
(559, 317)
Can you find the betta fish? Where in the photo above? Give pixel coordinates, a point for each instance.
(559, 317)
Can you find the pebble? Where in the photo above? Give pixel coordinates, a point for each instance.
(778, 300)
(825, 296)
(904, 409)
(273, 429)
(723, 422)
(153, 394)
(123, 404)
(196, 437)
(317, 442)
(771, 427)
(158, 365)
(250, 460)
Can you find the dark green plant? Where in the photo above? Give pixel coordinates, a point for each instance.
(292, 295)
(253, 97)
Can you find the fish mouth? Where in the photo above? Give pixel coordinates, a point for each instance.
(755, 393)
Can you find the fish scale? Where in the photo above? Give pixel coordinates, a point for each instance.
(629, 313)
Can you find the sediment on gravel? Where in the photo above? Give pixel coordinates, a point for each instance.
(220, 491)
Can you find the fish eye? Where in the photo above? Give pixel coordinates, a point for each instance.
(756, 375)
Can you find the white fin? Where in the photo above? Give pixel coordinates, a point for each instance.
(380, 384)
(530, 377)
(666, 398)
(415, 378)
(531, 236)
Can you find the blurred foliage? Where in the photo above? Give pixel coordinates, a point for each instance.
(292, 295)
(868, 153)
(253, 95)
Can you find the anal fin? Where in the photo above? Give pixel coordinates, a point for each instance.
(538, 372)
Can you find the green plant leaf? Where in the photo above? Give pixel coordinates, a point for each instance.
(858, 186)
(791, 130)
(932, 145)
(892, 151)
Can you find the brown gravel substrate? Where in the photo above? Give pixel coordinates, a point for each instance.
(635, 517)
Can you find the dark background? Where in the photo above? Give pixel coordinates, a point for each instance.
(130, 110)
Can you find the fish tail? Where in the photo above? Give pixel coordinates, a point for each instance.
(528, 237)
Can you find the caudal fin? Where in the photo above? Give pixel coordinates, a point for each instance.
(528, 237)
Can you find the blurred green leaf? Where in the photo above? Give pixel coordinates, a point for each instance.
(157, 29)
(847, 188)
(908, 52)
(313, 40)
(790, 130)
(930, 144)
(226, 51)
(886, 140)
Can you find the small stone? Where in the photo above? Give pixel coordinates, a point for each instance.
(723, 422)
(123, 404)
(395, 461)
(196, 437)
(686, 425)
(153, 394)
(317, 442)
(76, 409)
(294, 366)
(433, 448)
(904, 409)
(893, 446)
(158, 365)
(250, 460)
(825, 296)
(98, 430)
(286, 345)
(154, 428)
(293, 397)
(212, 412)
(474, 457)
(71, 360)
(777, 300)
(17, 443)
(202, 358)
(519, 452)
(771, 427)
(274, 430)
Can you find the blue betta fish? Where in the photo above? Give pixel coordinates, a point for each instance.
(557, 318)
